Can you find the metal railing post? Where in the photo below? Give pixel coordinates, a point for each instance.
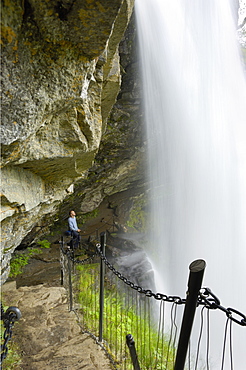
(9, 317)
(131, 345)
(62, 260)
(102, 273)
(194, 285)
(70, 288)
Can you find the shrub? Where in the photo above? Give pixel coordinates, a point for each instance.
(19, 261)
(44, 243)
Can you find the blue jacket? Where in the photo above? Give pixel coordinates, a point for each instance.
(72, 223)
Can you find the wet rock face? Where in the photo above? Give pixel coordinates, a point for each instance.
(60, 78)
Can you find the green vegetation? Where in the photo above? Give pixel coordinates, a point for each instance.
(19, 261)
(44, 243)
(121, 317)
(137, 217)
(16, 265)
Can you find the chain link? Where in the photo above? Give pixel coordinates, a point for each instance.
(210, 301)
(146, 292)
(9, 317)
(206, 297)
(69, 252)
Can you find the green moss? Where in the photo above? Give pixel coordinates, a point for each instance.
(137, 217)
(44, 243)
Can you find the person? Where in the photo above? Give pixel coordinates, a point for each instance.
(73, 227)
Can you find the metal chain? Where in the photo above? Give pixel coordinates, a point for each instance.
(9, 317)
(70, 254)
(146, 292)
(2, 311)
(210, 301)
(205, 297)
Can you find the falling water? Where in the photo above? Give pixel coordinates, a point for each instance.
(195, 111)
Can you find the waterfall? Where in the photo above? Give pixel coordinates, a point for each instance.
(194, 93)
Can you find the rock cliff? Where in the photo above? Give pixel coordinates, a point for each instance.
(61, 76)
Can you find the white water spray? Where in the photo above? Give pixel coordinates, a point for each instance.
(195, 110)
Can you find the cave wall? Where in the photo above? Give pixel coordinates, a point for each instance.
(60, 78)
(120, 162)
(117, 177)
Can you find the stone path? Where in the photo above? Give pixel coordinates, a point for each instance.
(48, 335)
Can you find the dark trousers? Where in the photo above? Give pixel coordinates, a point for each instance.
(76, 239)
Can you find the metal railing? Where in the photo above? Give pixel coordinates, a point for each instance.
(9, 317)
(112, 307)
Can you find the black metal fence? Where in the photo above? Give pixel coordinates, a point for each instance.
(9, 317)
(138, 328)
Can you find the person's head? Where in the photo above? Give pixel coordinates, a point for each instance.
(72, 214)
